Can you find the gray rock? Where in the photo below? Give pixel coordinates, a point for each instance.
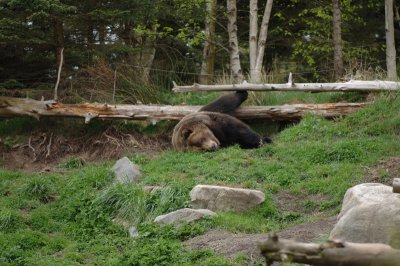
(370, 214)
(220, 198)
(133, 231)
(183, 215)
(125, 171)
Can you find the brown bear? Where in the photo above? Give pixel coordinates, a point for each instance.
(212, 127)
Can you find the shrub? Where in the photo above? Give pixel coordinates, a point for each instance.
(39, 188)
(12, 84)
(9, 220)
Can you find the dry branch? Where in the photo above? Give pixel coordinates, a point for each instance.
(10, 107)
(59, 73)
(329, 253)
(353, 85)
(396, 185)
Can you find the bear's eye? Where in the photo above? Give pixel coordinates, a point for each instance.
(186, 133)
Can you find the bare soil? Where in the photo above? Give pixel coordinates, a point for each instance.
(44, 150)
(231, 245)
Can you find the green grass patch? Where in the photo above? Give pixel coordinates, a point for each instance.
(66, 218)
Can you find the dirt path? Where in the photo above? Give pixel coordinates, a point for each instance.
(231, 245)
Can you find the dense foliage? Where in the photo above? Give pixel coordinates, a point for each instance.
(123, 33)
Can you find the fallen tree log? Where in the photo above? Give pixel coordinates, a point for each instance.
(329, 253)
(10, 107)
(352, 85)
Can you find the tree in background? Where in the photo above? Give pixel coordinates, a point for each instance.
(390, 43)
(32, 36)
(337, 40)
(207, 65)
(257, 45)
(163, 40)
(236, 69)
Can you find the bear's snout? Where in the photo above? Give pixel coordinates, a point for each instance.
(214, 147)
(210, 145)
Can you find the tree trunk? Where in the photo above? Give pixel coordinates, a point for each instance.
(207, 66)
(101, 28)
(144, 59)
(396, 12)
(337, 40)
(253, 36)
(59, 74)
(58, 38)
(262, 38)
(390, 43)
(147, 55)
(236, 69)
(59, 49)
(11, 107)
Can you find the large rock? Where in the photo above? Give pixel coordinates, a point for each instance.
(183, 215)
(219, 198)
(370, 214)
(125, 171)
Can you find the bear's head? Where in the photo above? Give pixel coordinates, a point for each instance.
(193, 133)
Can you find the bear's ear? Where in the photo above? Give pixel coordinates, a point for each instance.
(186, 133)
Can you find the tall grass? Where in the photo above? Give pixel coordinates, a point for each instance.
(121, 83)
(132, 203)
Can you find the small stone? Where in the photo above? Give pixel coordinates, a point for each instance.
(220, 198)
(125, 171)
(133, 231)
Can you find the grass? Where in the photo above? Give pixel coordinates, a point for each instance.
(66, 218)
(266, 98)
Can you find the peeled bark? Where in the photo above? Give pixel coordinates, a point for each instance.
(11, 107)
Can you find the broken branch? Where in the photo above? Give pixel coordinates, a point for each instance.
(352, 85)
(329, 253)
(396, 185)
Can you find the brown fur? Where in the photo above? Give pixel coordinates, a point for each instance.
(193, 133)
(212, 127)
